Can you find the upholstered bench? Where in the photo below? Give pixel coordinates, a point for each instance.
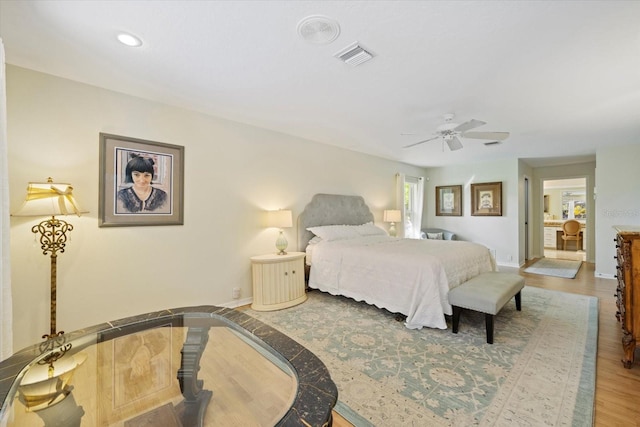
(486, 293)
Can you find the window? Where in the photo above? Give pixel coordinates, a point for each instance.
(413, 191)
(574, 205)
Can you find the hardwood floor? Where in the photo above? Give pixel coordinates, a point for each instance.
(617, 398)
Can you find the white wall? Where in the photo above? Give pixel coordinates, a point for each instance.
(618, 200)
(499, 233)
(233, 172)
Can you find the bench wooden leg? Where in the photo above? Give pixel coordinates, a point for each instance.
(456, 319)
(518, 302)
(488, 319)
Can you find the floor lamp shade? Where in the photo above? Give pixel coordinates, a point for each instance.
(49, 199)
(280, 219)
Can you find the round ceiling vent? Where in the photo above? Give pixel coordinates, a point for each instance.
(318, 29)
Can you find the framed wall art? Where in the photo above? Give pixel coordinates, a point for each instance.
(486, 199)
(449, 200)
(141, 182)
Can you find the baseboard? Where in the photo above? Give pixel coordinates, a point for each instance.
(508, 264)
(604, 276)
(236, 303)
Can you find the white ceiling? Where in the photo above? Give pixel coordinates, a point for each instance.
(563, 77)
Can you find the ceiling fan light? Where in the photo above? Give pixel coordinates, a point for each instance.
(453, 143)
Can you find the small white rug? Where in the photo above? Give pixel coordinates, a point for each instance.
(564, 268)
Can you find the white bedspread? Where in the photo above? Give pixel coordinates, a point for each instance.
(407, 276)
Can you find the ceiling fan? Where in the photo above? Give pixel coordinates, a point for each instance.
(451, 133)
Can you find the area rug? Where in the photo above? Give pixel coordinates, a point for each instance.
(555, 267)
(540, 370)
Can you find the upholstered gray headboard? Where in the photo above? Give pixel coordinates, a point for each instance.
(331, 209)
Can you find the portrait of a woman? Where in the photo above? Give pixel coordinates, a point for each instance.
(140, 196)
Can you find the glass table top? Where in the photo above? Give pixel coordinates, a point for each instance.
(190, 366)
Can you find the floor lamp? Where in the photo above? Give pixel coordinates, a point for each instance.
(51, 199)
(49, 386)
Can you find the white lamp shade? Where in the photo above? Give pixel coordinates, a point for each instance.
(49, 199)
(279, 219)
(392, 216)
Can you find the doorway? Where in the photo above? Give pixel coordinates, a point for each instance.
(564, 199)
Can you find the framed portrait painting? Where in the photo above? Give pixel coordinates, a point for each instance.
(141, 182)
(449, 200)
(486, 199)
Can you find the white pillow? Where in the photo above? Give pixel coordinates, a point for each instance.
(434, 236)
(369, 229)
(334, 232)
(315, 240)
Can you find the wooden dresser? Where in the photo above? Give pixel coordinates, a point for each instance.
(628, 291)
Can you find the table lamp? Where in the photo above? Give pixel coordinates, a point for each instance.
(280, 219)
(392, 216)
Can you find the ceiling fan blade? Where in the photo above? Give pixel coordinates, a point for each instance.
(454, 144)
(498, 136)
(420, 142)
(471, 124)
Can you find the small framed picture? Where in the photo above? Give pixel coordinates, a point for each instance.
(449, 200)
(486, 199)
(141, 182)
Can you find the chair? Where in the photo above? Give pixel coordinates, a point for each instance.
(446, 235)
(571, 232)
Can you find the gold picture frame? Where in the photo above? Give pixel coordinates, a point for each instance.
(449, 200)
(120, 202)
(486, 199)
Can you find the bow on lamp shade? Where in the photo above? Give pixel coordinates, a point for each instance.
(280, 219)
(392, 216)
(51, 199)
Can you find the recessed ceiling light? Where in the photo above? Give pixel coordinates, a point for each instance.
(129, 40)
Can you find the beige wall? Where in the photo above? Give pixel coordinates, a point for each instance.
(498, 233)
(232, 173)
(617, 200)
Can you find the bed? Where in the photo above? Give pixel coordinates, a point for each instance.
(348, 255)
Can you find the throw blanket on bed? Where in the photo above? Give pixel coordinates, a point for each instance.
(407, 276)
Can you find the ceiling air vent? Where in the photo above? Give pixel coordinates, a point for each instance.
(354, 54)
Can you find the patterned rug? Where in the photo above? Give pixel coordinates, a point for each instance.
(539, 371)
(567, 269)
